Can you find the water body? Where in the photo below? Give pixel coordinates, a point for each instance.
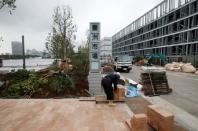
(31, 63)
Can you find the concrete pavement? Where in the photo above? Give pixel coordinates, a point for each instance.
(182, 101)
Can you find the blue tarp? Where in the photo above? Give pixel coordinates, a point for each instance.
(132, 91)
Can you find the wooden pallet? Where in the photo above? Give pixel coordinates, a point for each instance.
(98, 99)
(102, 99)
(155, 83)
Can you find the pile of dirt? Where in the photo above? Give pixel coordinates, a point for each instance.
(107, 70)
(46, 83)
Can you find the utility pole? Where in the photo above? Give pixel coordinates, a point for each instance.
(23, 50)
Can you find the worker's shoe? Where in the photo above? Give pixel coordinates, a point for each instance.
(111, 103)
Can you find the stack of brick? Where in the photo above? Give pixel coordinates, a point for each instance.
(120, 93)
(139, 122)
(160, 119)
(154, 81)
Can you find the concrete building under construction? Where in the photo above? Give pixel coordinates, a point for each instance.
(170, 28)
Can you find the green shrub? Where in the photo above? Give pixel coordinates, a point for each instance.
(58, 83)
(25, 87)
(19, 75)
(80, 62)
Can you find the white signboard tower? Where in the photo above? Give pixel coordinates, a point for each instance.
(94, 77)
(94, 47)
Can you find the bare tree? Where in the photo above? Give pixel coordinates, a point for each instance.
(8, 4)
(63, 31)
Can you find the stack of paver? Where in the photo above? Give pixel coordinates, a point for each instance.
(156, 119)
(154, 81)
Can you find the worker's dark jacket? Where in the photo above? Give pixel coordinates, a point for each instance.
(107, 82)
(114, 79)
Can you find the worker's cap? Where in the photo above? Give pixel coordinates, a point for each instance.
(117, 73)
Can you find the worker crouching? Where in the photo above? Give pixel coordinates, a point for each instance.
(109, 83)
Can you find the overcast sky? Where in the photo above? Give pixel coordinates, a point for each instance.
(33, 18)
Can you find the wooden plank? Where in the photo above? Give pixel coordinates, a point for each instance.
(102, 99)
(106, 101)
(87, 99)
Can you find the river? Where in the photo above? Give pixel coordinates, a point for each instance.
(31, 63)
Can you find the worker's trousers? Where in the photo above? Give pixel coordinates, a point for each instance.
(107, 85)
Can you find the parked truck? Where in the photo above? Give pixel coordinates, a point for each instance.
(123, 63)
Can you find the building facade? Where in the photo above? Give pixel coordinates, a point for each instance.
(34, 52)
(16, 48)
(105, 50)
(170, 28)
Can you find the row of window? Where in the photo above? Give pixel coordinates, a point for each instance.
(147, 36)
(190, 36)
(172, 28)
(191, 49)
(178, 14)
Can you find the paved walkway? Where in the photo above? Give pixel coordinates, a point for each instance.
(61, 115)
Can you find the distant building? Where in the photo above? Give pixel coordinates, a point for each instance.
(16, 48)
(106, 50)
(34, 52)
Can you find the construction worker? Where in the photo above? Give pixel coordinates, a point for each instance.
(107, 82)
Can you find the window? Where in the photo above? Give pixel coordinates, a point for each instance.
(94, 46)
(95, 36)
(95, 56)
(94, 27)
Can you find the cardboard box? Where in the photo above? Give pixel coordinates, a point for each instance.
(120, 93)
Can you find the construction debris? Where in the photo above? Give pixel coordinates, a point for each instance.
(107, 70)
(154, 81)
(188, 68)
(133, 83)
(180, 67)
